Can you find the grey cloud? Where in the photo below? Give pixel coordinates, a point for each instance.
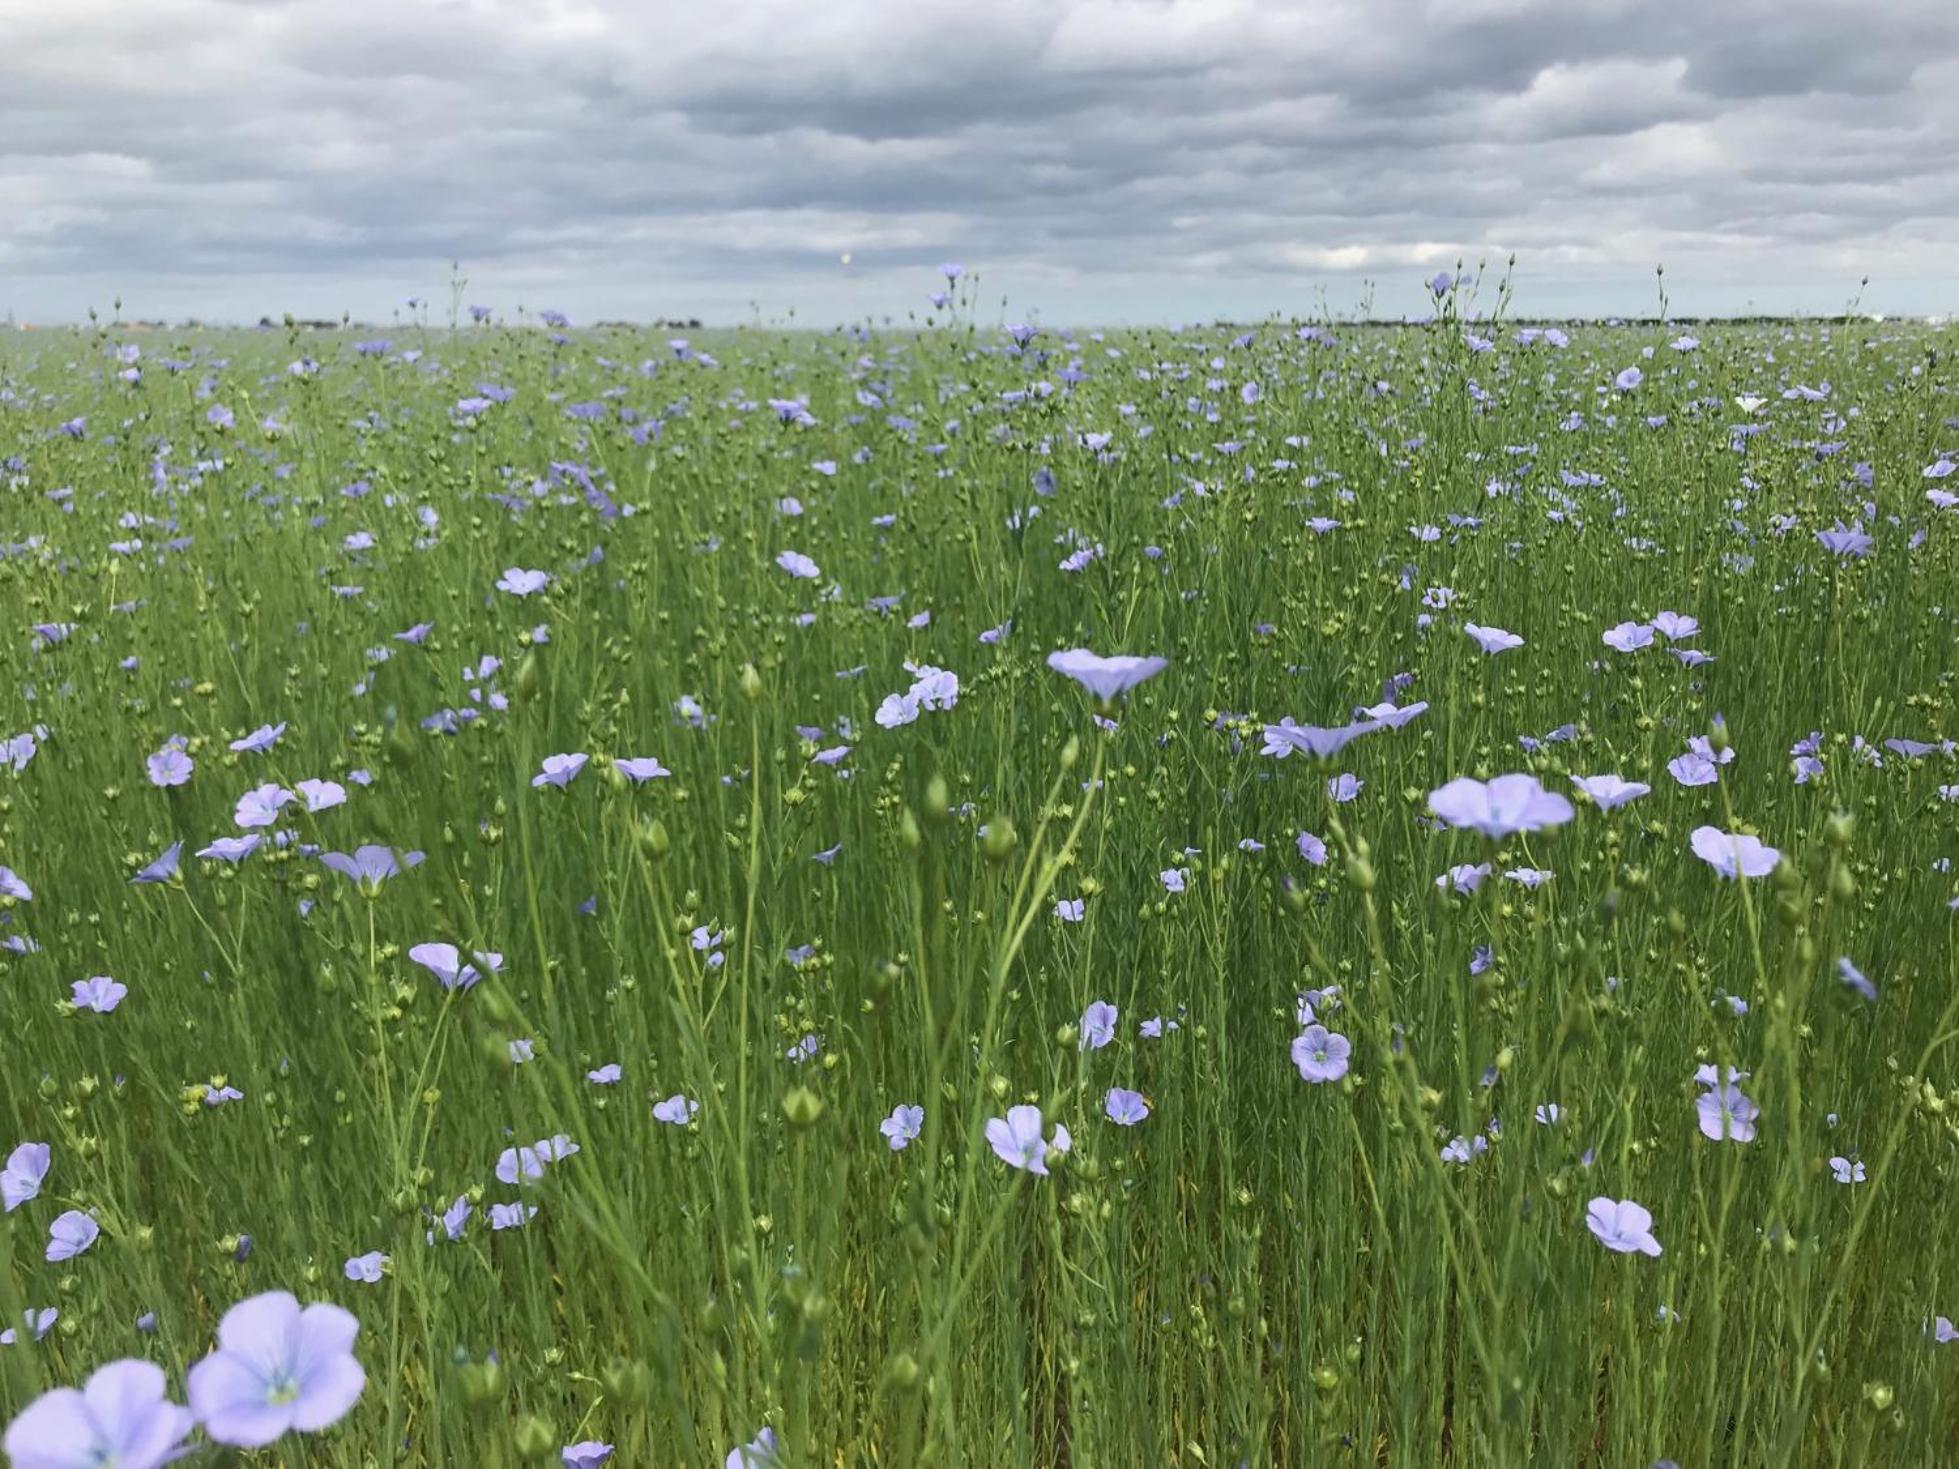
(1142, 158)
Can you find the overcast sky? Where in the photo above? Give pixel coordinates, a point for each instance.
(1089, 160)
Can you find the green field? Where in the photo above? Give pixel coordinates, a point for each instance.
(816, 578)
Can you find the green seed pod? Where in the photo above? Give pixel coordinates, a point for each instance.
(534, 1438)
(1000, 840)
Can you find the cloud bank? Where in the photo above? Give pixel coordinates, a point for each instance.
(1113, 160)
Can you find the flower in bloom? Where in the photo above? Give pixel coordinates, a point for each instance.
(606, 1075)
(70, 1235)
(1174, 879)
(1321, 1054)
(1733, 854)
(798, 565)
(1501, 807)
(1464, 877)
(1312, 849)
(445, 962)
(1492, 639)
(520, 583)
(1285, 737)
(1125, 1108)
(1724, 1111)
(1629, 637)
(261, 805)
(277, 1367)
(639, 768)
(1609, 791)
(367, 1268)
(259, 740)
(1017, 1139)
(1070, 910)
(164, 867)
(587, 1455)
(559, 770)
(677, 1109)
(169, 766)
(1106, 678)
(904, 1124)
(322, 795)
(100, 994)
(759, 1452)
(1622, 1225)
(371, 865)
(1098, 1025)
(1846, 1171)
(1851, 975)
(121, 1417)
(20, 1180)
(1675, 626)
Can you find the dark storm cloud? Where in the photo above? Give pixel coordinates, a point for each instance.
(1093, 158)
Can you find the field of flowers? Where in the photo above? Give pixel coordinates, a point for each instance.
(975, 895)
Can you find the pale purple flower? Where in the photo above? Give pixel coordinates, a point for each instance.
(169, 766)
(366, 1269)
(587, 1455)
(1016, 1139)
(1693, 769)
(100, 994)
(798, 565)
(1733, 854)
(322, 795)
(70, 1235)
(1070, 910)
(277, 1367)
(1343, 787)
(903, 1125)
(1125, 1108)
(1285, 737)
(20, 1181)
(1098, 1025)
(1608, 791)
(261, 805)
(164, 868)
(1106, 678)
(1501, 807)
(1628, 379)
(1320, 1054)
(446, 963)
(1174, 879)
(1492, 639)
(1726, 1113)
(559, 770)
(1629, 637)
(520, 583)
(606, 1075)
(1845, 542)
(511, 1216)
(1622, 1225)
(12, 885)
(259, 740)
(1464, 877)
(1312, 848)
(677, 1110)
(370, 865)
(38, 1323)
(122, 1418)
(1851, 975)
(1675, 626)
(1846, 1171)
(759, 1452)
(641, 768)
